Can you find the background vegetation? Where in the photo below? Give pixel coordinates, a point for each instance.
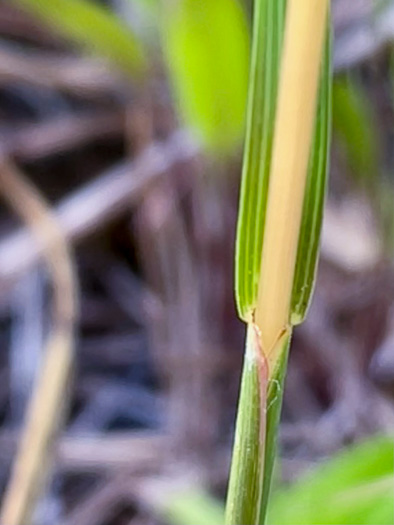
(128, 116)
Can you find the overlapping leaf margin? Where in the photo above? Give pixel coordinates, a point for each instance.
(269, 24)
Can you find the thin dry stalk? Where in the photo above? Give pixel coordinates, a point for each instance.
(44, 413)
(98, 202)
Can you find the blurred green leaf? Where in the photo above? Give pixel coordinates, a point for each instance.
(356, 488)
(192, 507)
(93, 27)
(353, 124)
(206, 44)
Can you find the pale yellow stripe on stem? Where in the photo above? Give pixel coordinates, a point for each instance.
(297, 99)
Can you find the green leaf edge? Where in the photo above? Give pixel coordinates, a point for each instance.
(315, 192)
(268, 32)
(190, 30)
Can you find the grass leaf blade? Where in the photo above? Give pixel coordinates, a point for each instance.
(206, 44)
(309, 239)
(355, 487)
(285, 142)
(265, 62)
(93, 27)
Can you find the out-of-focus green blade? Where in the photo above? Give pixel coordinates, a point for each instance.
(353, 124)
(308, 244)
(190, 507)
(206, 44)
(356, 487)
(357, 484)
(93, 27)
(263, 85)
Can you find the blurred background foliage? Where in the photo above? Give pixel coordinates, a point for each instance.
(129, 117)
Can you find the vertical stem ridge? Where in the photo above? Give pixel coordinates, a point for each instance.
(247, 469)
